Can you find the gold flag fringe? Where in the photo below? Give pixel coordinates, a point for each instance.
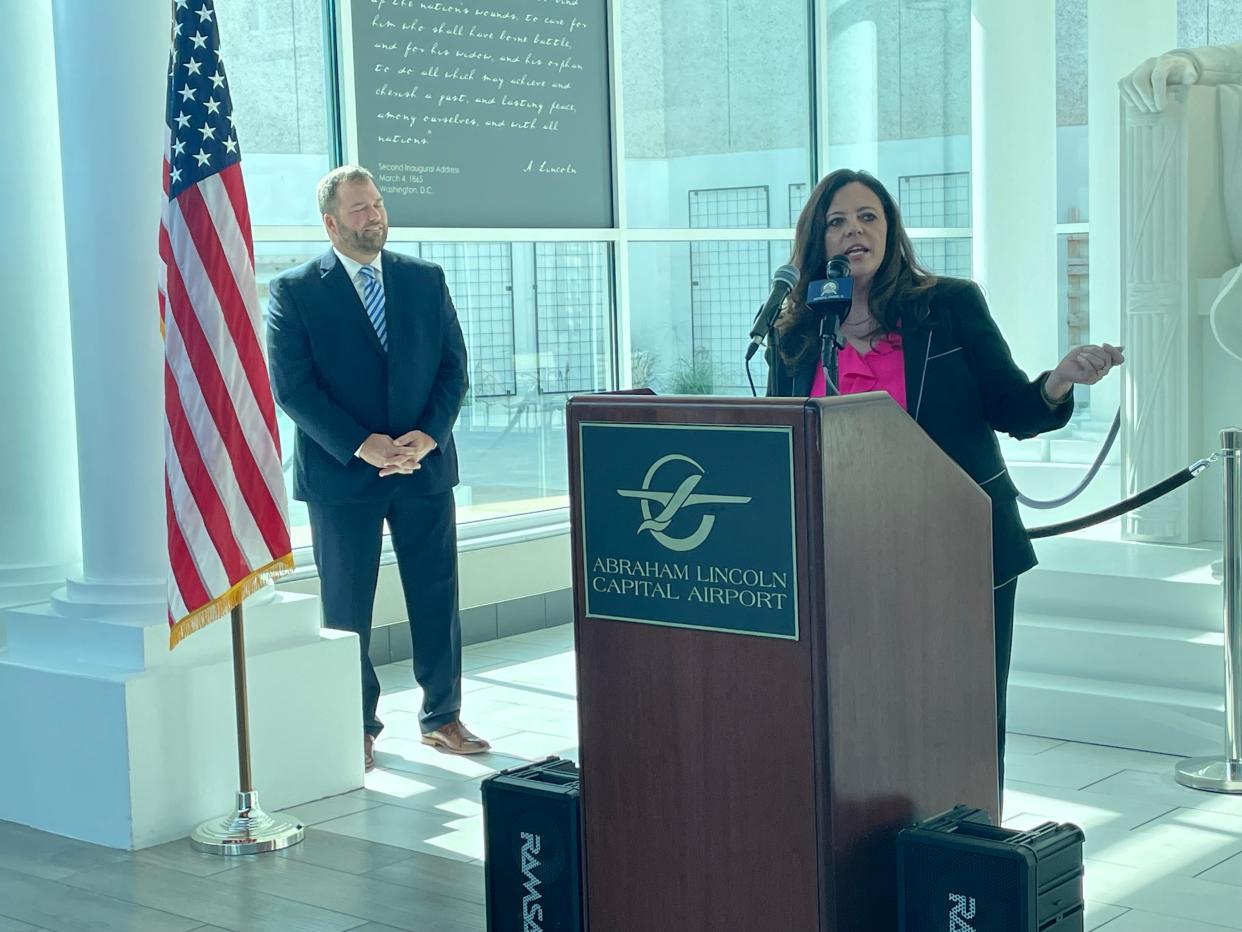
(222, 605)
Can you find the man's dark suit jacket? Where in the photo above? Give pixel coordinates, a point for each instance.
(334, 379)
(962, 385)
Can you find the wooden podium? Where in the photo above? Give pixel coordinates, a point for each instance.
(783, 613)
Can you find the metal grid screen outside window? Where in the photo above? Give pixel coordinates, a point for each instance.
(935, 200)
(797, 198)
(796, 201)
(729, 208)
(480, 279)
(728, 282)
(949, 256)
(571, 311)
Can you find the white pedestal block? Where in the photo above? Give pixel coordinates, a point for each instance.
(111, 739)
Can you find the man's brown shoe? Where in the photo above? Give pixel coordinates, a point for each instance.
(456, 739)
(368, 752)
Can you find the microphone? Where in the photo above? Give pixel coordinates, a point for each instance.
(783, 281)
(835, 292)
(839, 266)
(831, 297)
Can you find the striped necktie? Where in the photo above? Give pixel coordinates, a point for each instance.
(373, 301)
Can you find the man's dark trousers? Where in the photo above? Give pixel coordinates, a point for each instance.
(347, 540)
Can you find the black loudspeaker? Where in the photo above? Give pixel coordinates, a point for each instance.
(532, 835)
(958, 873)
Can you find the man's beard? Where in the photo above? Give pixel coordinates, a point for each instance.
(364, 240)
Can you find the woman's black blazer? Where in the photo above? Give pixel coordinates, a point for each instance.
(962, 385)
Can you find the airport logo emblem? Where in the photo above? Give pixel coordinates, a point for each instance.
(672, 502)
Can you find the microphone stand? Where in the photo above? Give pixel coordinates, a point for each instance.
(772, 336)
(829, 345)
(765, 330)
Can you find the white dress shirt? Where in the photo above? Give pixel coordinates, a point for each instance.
(353, 267)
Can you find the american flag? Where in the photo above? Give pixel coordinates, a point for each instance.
(228, 527)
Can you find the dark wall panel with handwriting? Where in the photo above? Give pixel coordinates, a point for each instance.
(485, 113)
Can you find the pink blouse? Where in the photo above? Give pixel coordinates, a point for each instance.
(882, 369)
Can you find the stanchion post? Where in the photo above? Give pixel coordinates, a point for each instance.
(1224, 774)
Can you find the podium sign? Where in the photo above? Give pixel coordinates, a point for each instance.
(689, 526)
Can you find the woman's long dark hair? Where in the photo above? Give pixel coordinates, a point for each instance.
(897, 290)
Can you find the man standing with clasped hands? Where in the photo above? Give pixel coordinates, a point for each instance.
(367, 358)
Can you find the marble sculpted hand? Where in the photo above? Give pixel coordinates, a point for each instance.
(1147, 87)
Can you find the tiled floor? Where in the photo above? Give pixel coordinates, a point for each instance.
(404, 852)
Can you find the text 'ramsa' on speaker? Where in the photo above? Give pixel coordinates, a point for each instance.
(532, 838)
(958, 873)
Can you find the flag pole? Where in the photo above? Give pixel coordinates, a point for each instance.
(248, 830)
(241, 700)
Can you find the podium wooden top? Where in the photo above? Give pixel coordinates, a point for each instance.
(855, 416)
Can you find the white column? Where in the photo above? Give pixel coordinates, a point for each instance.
(98, 691)
(111, 158)
(1120, 35)
(38, 475)
(1013, 171)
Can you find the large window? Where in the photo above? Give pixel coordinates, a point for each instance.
(717, 140)
(716, 95)
(536, 321)
(898, 96)
(898, 106)
(717, 146)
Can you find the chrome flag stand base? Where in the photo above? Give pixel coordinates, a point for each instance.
(249, 830)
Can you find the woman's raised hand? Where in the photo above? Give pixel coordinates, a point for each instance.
(1085, 365)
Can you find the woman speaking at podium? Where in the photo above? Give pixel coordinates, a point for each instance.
(931, 343)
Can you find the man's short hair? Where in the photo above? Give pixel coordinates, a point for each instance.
(329, 184)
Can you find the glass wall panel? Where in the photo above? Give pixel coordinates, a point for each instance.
(536, 320)
(274, 55)
(571, 312)
(716, 95)
(945, 255)
(1072, 151)
(898, 101)
(716, 136)
(691, 308)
